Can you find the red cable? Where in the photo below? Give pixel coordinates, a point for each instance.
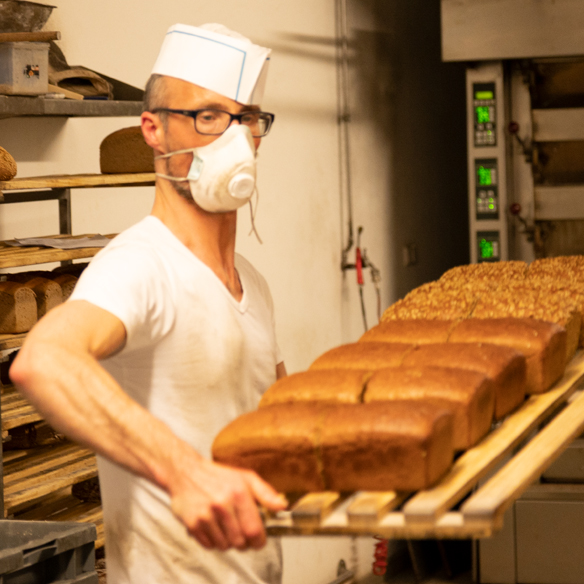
(380, 555)
(359, 266)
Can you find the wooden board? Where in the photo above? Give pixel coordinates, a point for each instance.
(16, 410)
(434, 513)
(79, 181)
(31, 474)
(11, 257)
(63, 506)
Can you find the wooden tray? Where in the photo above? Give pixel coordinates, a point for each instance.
(447, 510)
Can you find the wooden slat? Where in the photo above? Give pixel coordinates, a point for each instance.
(66, 507)
(498, 494)
(79, 181)
(39, 459)
(368, 507)
(314, 507)
(11, 257)
(41, 471)
(427, 505)
(16, 410)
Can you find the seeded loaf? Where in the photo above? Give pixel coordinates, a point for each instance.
(503, 365)
(18, 309)
(313, 447)
(542, 343)
(365, 356)
(468, 394)
(325, 386)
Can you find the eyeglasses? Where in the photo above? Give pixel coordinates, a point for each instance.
(214, 122)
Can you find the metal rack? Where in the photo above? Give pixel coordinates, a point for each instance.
(34, 476)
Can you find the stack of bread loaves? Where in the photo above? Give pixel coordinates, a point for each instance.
(27, 296)
(388, 412)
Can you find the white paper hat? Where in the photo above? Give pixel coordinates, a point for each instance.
(215, 58)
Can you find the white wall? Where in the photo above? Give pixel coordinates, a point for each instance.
(302, 217)
(299, 216)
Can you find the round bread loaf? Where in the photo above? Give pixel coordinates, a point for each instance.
(125, 151)
(7, 165)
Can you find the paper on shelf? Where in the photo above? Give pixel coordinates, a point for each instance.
(61, 242)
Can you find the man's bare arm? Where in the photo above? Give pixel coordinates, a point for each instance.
(58, 370)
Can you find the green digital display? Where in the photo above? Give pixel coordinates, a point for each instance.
(484, 95)
(487, 250)
(485, 178)
(482, 112)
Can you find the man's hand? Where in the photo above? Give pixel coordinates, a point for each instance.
(219, 505)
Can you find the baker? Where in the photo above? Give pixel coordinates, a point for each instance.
(169, 334)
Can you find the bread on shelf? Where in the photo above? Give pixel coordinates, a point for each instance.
(18, 308)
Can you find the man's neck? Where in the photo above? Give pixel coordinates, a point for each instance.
(209, 236)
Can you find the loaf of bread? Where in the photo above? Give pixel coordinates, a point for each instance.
(125, 151)
(279, 442)
(365, 356)
(527, 301)
(67, 283)
(18, 308)
(487, 271)
(468, 394)
(312, 447)
(416, 331)
(326, 386)
(7, 165)
(542, 343)
(503, 365)
(48, 294)
(403, 446)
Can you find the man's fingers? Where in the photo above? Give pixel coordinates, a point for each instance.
(264, 493)
(228, 520)
(250, 520)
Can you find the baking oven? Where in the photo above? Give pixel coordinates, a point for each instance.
(525, 120)
(525, 148)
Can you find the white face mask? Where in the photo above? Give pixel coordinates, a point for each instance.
(223, 173)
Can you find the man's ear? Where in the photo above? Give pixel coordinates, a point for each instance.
(152, 130)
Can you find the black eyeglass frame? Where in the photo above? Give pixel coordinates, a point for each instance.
(194, 113)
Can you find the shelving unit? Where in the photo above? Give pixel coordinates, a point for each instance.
(35, 483)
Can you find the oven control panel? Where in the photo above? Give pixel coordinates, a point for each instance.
(486, 189)
(489, 246)
(485, 114)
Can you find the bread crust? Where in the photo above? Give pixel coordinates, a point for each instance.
(326, 386)
(503, 365)
(470, 396)
(415, 331)
(366, 356)
(313, 447)
(542, 343)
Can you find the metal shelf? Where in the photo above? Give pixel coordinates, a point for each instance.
(18, 106)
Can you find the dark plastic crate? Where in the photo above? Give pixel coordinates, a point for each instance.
(47, 552)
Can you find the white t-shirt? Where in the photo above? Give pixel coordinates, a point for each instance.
(196, 358)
